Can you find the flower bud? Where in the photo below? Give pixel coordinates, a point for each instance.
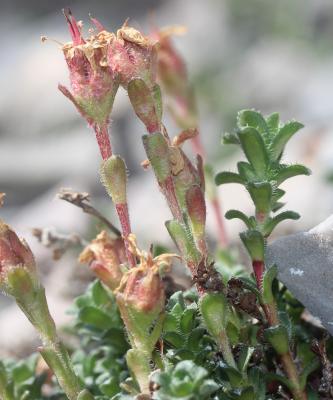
(105, 256)
(15, 255)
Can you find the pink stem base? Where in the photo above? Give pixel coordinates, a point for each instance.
(258, 269)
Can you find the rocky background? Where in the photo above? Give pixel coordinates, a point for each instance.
(272, 56)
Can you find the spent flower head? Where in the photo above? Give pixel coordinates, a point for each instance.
(142, 287)
(131, 55)
(93, 84)
(105, 256)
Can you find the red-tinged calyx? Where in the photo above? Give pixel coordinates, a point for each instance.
(18, 276)
(93, 85)
(133, 56)
(13, 251)
(106, 257)
(73, 27)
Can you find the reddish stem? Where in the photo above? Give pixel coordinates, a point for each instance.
(103, 140)
(258, 269)
(123, 216)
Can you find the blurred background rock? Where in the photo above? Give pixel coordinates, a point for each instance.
(263, 54)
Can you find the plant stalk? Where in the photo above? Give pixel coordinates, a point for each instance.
(225, 348)
(104, 144)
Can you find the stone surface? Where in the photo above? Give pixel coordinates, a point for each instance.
(305, 265)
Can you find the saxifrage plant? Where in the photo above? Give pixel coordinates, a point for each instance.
(228, 337)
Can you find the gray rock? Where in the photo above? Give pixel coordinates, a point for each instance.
(305, 266)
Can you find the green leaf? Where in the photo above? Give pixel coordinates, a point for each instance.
(248, 394)
(277, 336)
(253, 241)
(232, 214)
(95, 317)
(228, 177)
(176, 339)
(21, 373)
(246, 171)
(307, 370)
(183, 240)
(273, 122)
(276, 206)
(249, 284)
(99, 294)
(261, 194)
(230, 138)
(157, 150)
(290, 171)
(277, 194)
(86, 395)
(244, 358)
(214, 311)
(254, 149)
(281, 139)
(144, 103)
(273, 222)
(187, 320)
(252, 119)
(269, 276)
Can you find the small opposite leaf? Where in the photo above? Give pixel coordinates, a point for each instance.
(157, 150)
(282, 138)
(253, 119)
(278, 338)
(290, 171)
(231, 214)
(273, 121)
(230, 138)
(214, 311)
(254, 148)
(269, 276)
(144, 103)
(228, 177)
(246, 171)
(183, 241)
(273, 222)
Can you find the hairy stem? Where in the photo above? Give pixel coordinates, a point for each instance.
(272, 317)
(52, 349)
(103, 140)
(122, 210)
(225, 348)
(291, 371)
